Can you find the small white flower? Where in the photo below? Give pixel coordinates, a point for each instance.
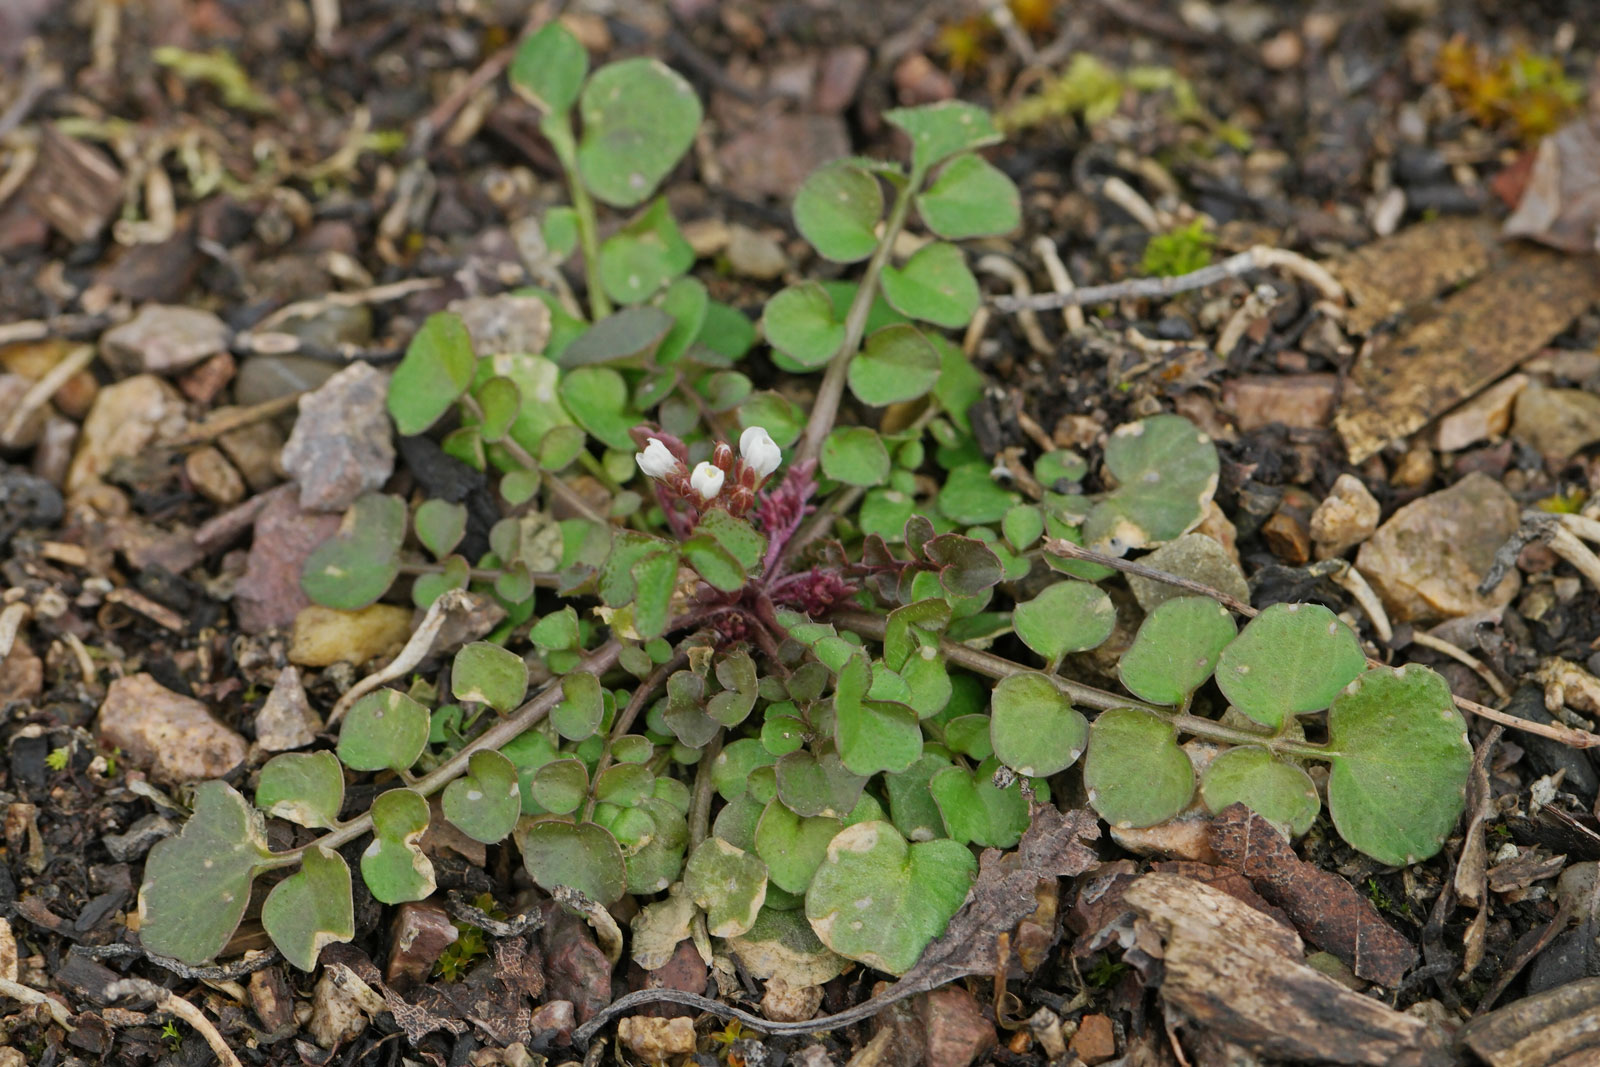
(656, 460)
(707, 481)
(760, 451)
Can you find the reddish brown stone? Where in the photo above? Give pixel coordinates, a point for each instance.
(1096, 1040)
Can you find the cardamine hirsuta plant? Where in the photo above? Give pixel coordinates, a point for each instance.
(772, 701)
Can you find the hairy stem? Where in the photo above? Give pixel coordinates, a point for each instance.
(700, 800)
(826, 408)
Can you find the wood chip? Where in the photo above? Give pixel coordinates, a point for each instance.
(1238, 973)
(1477, 335)
(76, 187)
(1560, 1028)
(1394, 275)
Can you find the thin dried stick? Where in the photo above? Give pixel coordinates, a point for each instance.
(1261, 257)
(1355, 583)
(1001, 267)
(415, 651)
(1461, 655)
(1060, 280)
(11, 620)
(227, 422)
(1066, 549)
(166, 1000)
(29, 995)
(42, 390)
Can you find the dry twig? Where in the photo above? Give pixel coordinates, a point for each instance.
(1261, 257)
(166, 1000)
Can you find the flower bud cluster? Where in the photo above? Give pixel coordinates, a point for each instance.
(725, 480)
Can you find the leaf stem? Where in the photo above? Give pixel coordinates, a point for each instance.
(503, 732)
(700, 801)
(831, 391)
(641, 696)
(558, 488)
(992, 666)
(558, 130)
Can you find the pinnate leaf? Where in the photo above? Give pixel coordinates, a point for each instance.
(729, 883)
(800, 322)
(639, 118)
(897, 363)
(581, 856)
(855, 456)
(356, 566)
(970, 198)
(385, 730)
(489, 674)
(1069, 616)
(549, 67)
(437, 368)
(1176, 649)
(1034, 729)
(485, 802)
(393, 865)
(934, 286)
(1135, 772)
(939, 131)
(1279, 792)
(878, 900)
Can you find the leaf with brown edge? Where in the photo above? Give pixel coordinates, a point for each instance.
(1326, 909)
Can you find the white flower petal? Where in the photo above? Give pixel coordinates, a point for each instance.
(706, 481)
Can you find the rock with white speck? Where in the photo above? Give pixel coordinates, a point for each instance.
(505, 324)
(341, 446)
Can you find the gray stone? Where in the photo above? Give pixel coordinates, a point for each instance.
(175, 736)
(1557, 422)
(329, 326)
(264, 378)
(164, 339)
(505, 325)
(341, 445)
(1193, 556)
(1427, 560)
(286, 720)
(136, 841)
